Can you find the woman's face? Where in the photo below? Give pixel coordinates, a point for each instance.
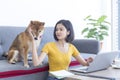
(61, 32)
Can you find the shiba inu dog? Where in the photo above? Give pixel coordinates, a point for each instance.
(22, 44)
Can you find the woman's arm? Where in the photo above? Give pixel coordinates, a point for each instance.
(37, 60)
(83, 61)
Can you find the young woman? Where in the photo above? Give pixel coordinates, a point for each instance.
(59, 52)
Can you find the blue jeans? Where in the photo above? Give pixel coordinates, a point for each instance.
(52, 78)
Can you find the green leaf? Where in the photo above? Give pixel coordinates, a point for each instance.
(93, 24)
(94, 20)
(104, 27)
(92, 30)
(102, 19)
(101, 37)
(107, 22)
(104, 33)
(85, 30)
(96, 28)
(87, 17)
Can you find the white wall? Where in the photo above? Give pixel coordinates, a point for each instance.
(20, 12)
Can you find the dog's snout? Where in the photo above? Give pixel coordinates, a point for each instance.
(36, 38)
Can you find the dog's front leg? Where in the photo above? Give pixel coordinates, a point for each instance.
(25, 57)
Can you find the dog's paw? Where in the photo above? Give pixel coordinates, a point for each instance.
(26, 65)
(11, 62)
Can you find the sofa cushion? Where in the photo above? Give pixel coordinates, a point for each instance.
(9, 70)
(7, 35)
(87, 45)
(1, 52)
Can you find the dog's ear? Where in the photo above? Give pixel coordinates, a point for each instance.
(42, 23)
(31, 22)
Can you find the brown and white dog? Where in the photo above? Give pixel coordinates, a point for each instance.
(22, 44)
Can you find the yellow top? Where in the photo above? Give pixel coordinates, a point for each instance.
(57, 59)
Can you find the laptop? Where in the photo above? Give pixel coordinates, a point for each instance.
(101, 62)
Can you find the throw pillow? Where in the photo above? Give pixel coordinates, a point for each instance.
(1, 50)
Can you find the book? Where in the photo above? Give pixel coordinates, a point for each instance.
(61, 74)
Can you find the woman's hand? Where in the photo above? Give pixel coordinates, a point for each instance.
(30, 32)
(89, 60)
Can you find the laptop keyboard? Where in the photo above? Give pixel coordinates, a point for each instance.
(83, 68)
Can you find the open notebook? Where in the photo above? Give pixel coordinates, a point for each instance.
(101, 61)
(61, 74)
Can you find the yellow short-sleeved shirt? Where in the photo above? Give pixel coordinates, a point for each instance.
(57, 59)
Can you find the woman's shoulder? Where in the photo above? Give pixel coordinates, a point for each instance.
(71, 45)
(50, 43)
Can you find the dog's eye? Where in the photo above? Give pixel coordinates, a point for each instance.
(39, 31)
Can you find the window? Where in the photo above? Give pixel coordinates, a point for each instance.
(115, 24)
(114, 21)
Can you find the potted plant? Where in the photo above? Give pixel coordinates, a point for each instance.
(96, 28)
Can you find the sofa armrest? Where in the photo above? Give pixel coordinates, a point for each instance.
(87, 45)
